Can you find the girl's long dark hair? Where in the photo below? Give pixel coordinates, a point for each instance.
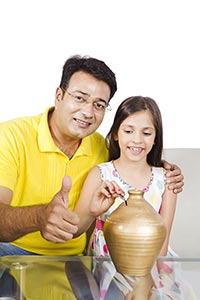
(128, 107)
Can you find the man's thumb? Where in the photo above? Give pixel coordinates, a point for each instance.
(66, 186)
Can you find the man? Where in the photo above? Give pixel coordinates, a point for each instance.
(36, 215)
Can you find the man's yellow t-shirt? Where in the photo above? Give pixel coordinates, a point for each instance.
(33, 167)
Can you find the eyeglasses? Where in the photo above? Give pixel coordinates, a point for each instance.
(82, 99)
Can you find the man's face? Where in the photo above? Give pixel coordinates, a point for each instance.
(80, 110)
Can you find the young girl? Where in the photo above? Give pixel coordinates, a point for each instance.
(135, 144)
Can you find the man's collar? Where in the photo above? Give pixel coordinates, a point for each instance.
(46, 143)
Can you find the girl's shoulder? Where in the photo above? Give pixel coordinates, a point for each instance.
(159, 177)
(159, 172)
(107, 171)
(106, 166)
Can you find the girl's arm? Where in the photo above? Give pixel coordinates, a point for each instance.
(167, 212)
(96, 197)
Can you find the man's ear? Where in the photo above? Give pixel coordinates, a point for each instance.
(59, 95)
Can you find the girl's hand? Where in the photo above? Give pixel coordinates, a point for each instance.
(104, 197)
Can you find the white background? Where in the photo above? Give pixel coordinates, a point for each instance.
(152, 46)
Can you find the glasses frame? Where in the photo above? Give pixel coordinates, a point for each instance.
(108, 106)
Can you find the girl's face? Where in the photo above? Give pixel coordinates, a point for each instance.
(136, 136)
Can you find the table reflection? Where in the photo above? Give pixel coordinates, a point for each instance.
(70, 278)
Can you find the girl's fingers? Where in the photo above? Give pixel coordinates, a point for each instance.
(111, 188)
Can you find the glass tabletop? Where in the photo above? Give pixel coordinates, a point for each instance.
(92, 278)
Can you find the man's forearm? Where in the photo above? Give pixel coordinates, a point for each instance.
(18, 221)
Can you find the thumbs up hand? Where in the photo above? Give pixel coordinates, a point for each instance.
(58, 224)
